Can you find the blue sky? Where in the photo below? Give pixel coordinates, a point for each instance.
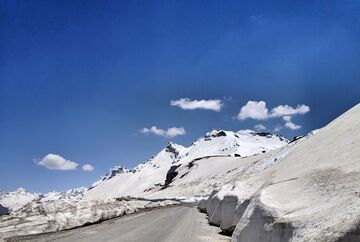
(81, 79)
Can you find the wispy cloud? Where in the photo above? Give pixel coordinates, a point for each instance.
(168, 133)
(87, 167)
(188, 104)
(57, 162)
(257, 110)
(259, 127)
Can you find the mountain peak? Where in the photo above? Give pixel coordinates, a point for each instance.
(20, 190)
(174, 149)
(216, 133)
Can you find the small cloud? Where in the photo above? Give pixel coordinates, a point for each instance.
(254, 110)
(259, 127)
(188, 104)
(278, 128)
(87, 167)
(289, 124)
(169, 133)
(287, 110)
(56, 162)
(172, 132)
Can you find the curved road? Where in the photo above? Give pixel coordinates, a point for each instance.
(175, 224)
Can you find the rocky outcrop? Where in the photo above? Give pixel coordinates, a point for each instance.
(3, 210)
(171, 174)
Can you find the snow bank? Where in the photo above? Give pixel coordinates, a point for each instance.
(307, 191)
(40, 217)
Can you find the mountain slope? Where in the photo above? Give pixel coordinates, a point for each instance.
(17, 198)
(149, 178)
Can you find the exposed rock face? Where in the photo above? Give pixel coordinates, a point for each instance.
(173, 148)
(3, 210)
(215, 133)
(171, 174)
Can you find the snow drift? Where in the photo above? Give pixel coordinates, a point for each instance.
(50, 216)
(310, 192)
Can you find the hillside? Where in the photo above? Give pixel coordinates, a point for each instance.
(151, 176)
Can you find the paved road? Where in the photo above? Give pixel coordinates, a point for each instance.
(173, 224)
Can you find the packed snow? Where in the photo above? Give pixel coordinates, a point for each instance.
(309, 193)
(50, 216)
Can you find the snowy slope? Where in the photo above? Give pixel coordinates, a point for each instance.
(17, 198)
(148, 178)
(71, 194)
(135, 182)
(310, 192)
(20, 197)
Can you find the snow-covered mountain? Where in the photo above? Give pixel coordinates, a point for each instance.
(20, 197)
(70, 194)
(17, 198)
(152, 175)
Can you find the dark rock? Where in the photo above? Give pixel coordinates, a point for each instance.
(214, 134)
(171, 174)
(4, 210)
(296, 138)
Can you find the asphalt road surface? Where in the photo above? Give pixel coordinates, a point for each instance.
(173, 224)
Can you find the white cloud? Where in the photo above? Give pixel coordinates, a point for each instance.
(172, 132)
(254, 110)
(259, 127)
(188, 104)
(257, 110)
(282, 110)
(87, 167)
(56, 162)
(278, 128)
(153, 130)
(289, 124)
(292, 126)
(169, 133)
